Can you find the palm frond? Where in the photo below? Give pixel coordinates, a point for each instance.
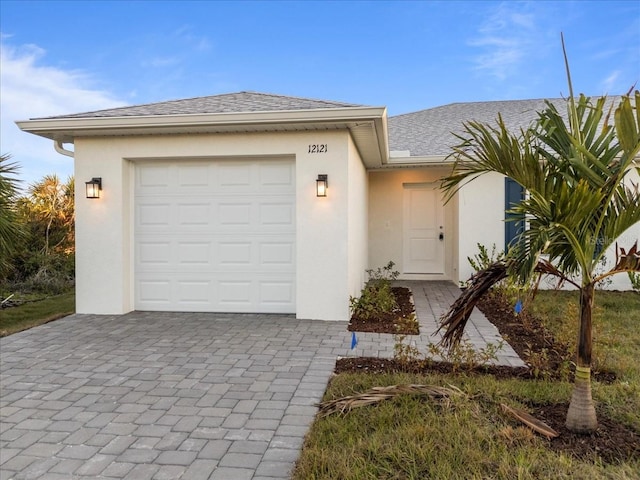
(455, 320)
(379, 394)
(436, 393)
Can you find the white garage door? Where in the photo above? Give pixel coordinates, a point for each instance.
(215, 236)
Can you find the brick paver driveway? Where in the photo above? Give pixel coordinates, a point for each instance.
(162, 395)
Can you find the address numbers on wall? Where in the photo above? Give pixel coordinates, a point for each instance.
(318, 148)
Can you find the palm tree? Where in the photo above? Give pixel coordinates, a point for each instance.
(11, 232)
(579, 202)
(51, 203)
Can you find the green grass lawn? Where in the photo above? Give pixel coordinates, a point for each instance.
(412, 437)
(34, 313)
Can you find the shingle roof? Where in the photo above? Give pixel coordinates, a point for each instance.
(239, 102)
(428, 132)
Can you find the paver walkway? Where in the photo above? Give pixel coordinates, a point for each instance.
(172, 395)
(432, 299)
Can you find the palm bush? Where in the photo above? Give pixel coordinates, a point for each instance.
(579, 203)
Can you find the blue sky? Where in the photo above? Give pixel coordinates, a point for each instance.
(63, 57)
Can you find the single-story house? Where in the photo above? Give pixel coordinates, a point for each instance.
(251, 202)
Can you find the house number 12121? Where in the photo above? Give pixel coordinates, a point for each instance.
(318, 148)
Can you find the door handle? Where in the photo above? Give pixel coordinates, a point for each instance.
(441, 236)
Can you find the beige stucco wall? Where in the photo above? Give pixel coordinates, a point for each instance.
(357, 219)
(386, 219)
(325, 270)
(480, 218)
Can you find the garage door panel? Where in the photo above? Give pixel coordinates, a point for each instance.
(193, 176)
(235, 253)
(157, 214)
(226, 253)
(155, 177)
(194, 253)
(230, 292)
(276, 293)
(234, 214)
(194, 292)
(274, 254)
(154, 291)
(276, 175)
(172, 215)
(234, 175)
(215, 236)
(153, 252)
(194, 213)
(276, 214)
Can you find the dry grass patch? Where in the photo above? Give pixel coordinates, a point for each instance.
(412, 437)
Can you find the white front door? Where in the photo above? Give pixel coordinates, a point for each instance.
(423, 229)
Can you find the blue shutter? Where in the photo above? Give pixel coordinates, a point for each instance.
(513, 194)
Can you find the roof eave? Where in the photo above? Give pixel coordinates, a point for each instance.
(417, 161)
(369, 121)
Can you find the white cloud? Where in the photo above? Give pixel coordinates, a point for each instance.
(506, 39)
(610, 83)
(29, 89)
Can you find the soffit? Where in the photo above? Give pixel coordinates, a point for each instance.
(367, 126)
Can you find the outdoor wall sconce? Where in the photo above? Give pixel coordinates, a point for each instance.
(321, 185)
(93, 187)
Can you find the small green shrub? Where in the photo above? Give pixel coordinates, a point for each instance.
(482, 259)
(376, 297)
(634, 278)
(405, 352)
(464, 355)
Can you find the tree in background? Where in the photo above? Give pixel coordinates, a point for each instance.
(42, 257)
(50, 210)
(11, 233)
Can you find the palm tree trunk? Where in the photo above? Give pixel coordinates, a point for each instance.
(581, 416)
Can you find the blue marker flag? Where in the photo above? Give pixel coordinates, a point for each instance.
(518, 307)
(354, 340)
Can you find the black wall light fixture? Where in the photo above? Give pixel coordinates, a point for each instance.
(93, 187)
(322, 184)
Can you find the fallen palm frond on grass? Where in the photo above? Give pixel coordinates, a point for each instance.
(379, 394)
(530, 421)
(441, 394)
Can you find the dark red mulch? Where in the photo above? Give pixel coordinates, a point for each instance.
(612, 441)
(392, 322)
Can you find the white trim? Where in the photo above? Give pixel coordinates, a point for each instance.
(367, 125)
(103, 124)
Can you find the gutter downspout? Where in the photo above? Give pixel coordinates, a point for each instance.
(57, 144)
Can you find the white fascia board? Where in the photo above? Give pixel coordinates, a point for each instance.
(382, 132)
(65, 129)
(418, 161)
(53, 127)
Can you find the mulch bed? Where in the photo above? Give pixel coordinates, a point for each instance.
(387, 365)
(526, 334)
(613, 442)
(395, 322)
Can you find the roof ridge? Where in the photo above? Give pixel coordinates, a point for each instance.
(280, 95)
(261, 101)
(493, 102)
